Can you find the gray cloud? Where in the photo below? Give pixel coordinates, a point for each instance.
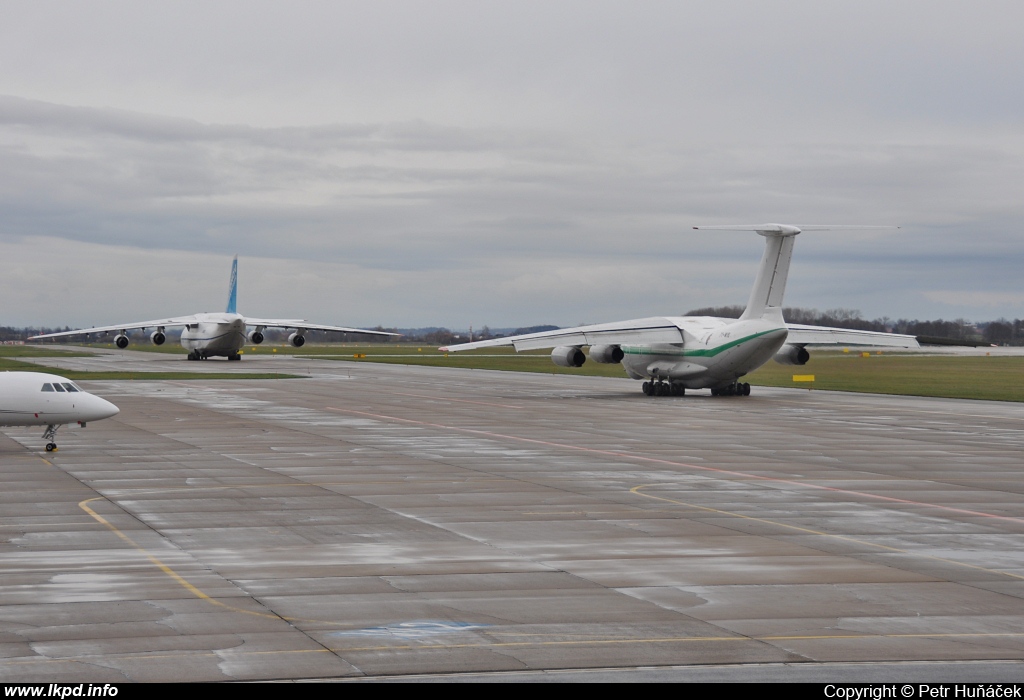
(525, 162)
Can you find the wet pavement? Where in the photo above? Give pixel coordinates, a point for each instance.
(373, 521)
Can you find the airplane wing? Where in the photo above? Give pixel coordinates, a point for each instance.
(156, 323)
(659, 329)
(641, 331)
(298, 323)
(823, 335)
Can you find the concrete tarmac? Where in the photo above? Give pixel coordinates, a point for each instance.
(371, 522)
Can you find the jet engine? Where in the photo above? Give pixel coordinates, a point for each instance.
(792, 355)
(568, 356)
(157, 337)
(606, 354)
(256, 337)
(121, 341)
(296, 340)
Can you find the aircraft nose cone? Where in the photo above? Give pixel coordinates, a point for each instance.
(99, 409)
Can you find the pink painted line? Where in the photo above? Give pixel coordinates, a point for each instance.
(655, 460)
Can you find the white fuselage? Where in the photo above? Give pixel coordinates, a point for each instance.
(215, 334)
(35, 398)
(715, 352)
(675, 353)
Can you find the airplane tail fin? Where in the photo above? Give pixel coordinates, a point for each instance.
(233, 288)
(769, 286)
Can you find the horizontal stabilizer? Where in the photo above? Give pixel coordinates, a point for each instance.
(787, 229)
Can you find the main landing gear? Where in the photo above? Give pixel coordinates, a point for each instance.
(737, 389)
(196, 355)
(663, 389)
(660, 388)
(51, 435)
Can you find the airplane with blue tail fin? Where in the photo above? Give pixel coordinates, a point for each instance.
(207, 335)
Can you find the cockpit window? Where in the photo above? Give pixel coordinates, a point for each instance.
(47, 387)
(69, 386)
(58, 387)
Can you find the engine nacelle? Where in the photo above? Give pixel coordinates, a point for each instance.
(296, 340)
(157, 337)
(121, 341)
(255, 337)
(606, 354)
(568, 356)
(792, 355)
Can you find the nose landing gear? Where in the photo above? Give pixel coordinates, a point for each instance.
(51, 434)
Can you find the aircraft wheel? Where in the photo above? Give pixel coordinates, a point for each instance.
(663, 389)
(746, 389)
(51, 446)
(646, 388)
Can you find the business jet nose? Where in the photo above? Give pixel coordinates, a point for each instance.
(98, 409)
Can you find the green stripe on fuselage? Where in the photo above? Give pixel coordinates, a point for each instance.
(683, 352)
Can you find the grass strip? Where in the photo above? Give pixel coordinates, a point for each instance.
(981, 377)
(907, 374)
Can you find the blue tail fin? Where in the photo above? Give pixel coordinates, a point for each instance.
(233, 288)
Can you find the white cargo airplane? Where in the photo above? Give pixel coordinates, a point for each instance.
(676, 353)
(35, 398)
(215, 334)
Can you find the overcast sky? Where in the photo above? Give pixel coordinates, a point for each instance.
(505, 163)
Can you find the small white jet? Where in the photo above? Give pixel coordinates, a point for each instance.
(676, 353)
(215, 334)
(35, 398)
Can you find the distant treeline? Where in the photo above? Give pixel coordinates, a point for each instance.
(999, 332)
(8, 334)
